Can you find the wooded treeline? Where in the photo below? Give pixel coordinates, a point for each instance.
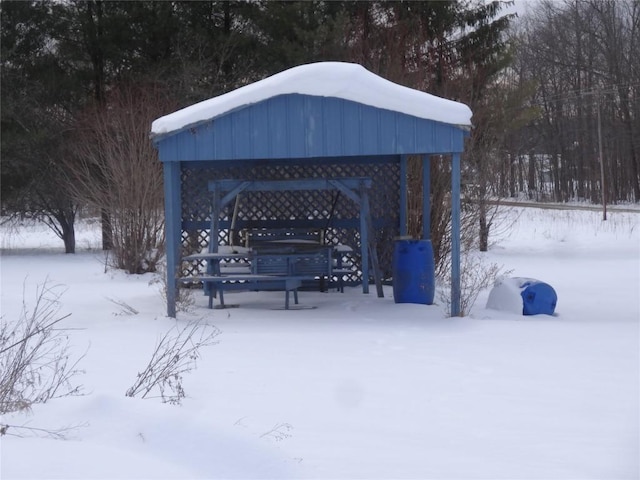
(581, 60)
(83, 79)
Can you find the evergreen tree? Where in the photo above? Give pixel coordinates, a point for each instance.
(37, 99)
(291, 33)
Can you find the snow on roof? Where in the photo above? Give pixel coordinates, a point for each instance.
(348, 81)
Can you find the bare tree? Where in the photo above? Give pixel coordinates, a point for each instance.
(582, 55)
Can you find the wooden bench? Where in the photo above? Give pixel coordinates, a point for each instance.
(270, 270)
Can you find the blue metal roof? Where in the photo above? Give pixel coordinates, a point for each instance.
(306, 126)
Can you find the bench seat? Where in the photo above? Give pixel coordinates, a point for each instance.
(256, 238)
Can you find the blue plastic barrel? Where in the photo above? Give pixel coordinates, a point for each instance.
(413, 272)
(538, 298)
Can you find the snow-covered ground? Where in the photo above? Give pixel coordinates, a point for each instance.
(358, 387)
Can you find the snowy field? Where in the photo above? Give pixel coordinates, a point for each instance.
(358, 387)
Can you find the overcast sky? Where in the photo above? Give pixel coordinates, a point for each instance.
(521, 6)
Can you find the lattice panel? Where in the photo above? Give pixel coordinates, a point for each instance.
(196, 201)
(328, 210)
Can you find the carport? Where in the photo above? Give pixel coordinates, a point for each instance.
(320, 146)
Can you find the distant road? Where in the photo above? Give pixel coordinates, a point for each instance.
(565, 206)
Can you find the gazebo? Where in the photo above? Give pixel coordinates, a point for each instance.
(322, 146)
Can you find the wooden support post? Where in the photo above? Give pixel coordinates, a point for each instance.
(403, 195)
(173, 230)
(455, 235)
(364, 243)
(426, 197)
(214, 233)
(214, 229)
(372, 244)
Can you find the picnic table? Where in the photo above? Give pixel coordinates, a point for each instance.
(281, 267)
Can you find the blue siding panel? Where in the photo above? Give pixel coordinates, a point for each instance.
(259, 135)
(277, 127)
(333, 127)
(209, 141)
(387, 133)
(405, 130)
(167, 149)
(302, 126)
(440, 137)
(296, 127)
(313, 127)
(187, 145)
(351, 132)
(369, 125)
(221, 137)
(242, 125)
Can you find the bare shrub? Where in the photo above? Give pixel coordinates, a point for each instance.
(125, 308)
(114, 168)
(475, 275)
(60, 433)
(184, 298)
(279, 432)
(35, 362)
(175, 354)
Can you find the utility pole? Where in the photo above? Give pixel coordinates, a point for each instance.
(603, 190)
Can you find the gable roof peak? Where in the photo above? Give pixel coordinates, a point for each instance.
(348, 81)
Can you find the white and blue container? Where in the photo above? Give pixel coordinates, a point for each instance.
(525, 296)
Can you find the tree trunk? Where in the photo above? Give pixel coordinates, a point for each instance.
(484, 226)
(69, 238)
(93, 38)
(532, 177)
(513, 165)
(482, 214)
(107, 231)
